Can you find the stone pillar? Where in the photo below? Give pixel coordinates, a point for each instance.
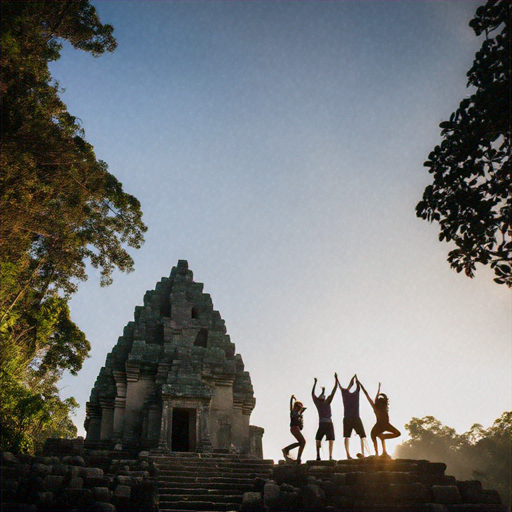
(256, 441)
(120, 405)
(131, 414)
(165, 425)
(107, 418)
(204, 443)
(154, 421)
(93, 412)
(240, 434)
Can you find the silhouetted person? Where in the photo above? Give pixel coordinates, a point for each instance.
(325, 426)
(351, 418)
(382, 429)
(296, 425)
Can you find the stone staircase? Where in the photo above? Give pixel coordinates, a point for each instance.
(206, 482)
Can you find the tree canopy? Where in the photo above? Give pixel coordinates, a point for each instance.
(481, 454)
(61, 210)
(470, 196)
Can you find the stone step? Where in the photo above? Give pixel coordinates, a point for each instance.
(215, 498)
(226, 469)
(202, 473)
(207, 506)
(166, 481)
(224, 490)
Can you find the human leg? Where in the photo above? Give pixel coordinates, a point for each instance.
(374, 435)
(347, 444)
(301, 441)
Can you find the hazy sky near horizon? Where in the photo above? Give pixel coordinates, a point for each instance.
(279, 147)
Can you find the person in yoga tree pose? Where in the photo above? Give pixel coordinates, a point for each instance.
(325, 426)
(296, 425)
(382, 429)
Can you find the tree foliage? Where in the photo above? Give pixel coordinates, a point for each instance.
(470, 196)
(482, 454)
(61, 209)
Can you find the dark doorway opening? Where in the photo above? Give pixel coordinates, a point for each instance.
(183, 430)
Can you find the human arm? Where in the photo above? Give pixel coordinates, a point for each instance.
(378, 393)
(372, 403)
(331, 396)
(354, 378)
(337, 381)
(313, 390)
(292, 400)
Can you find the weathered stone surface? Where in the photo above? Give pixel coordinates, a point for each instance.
(76, 483)
(52, 482)
(271, 493)
(175, 363)
(102, 494)
(447, 494)
(410, 492)
(122, 491)
(252, 501)
(100, 506)
(313, 497)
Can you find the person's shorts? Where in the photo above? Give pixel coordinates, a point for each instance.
(325, 429)
(350, 424)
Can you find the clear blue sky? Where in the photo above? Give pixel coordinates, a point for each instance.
(278, 147)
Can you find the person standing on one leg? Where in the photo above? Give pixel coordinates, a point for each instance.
(382, 429)
(296, 425)
(325, 425)
(351, 418)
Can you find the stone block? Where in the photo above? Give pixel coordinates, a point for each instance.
(312, 496)
(73, 460)
(17, 507)
(91, 472)
(470, 491)
(338, 479)
(446, 494)
(122, 491)
(45, 499)
(491, 497)
(60, 469)
(101, 506)
(53, 482)
(16, 471)
(9, 489)
(271, 493)
(96, 481)
(252, 501)
(432, 468)
(41, 469)
(102, 494)
(356, 477)
(416, 492)
(76, 483)
(77, 498)
(8, 458)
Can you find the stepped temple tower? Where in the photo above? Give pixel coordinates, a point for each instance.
(173, 380)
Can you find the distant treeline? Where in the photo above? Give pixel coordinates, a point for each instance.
(478, 454)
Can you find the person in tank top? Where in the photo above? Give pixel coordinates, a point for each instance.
(296, 425)
(382, 429)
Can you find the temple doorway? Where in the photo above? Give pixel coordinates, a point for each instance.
(183, 436)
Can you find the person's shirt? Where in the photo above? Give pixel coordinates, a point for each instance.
(324, 410)
(381, 413)
(296, 419)
(350, 402)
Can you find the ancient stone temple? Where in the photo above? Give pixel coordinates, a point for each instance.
(173, 380)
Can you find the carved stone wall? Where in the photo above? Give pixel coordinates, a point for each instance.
(173, 380)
